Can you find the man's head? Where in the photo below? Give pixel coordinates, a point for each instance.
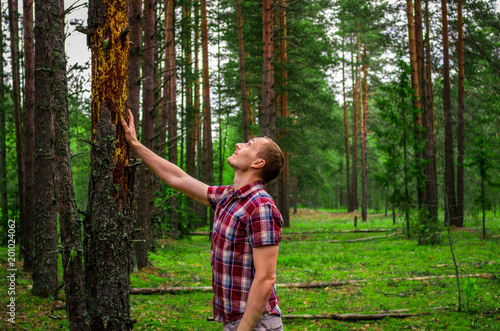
(260, 155)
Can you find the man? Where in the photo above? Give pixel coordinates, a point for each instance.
(246, 234)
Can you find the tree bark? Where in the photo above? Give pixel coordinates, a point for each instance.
(14, 37)
(364, 137)
(346, 135)
(4, 204)
(188, 81)
(449, 169)
(29, 132)
(430, 191)
(48, 57)
(144, 230)
(268, 107)
(170, 95)
(207, 118)
(418, 125)
(243, 85)
(134, 62)
(461, 107)
(69, 222)
(107, 224)
(354, 184)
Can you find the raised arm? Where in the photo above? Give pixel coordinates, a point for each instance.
(171, 174)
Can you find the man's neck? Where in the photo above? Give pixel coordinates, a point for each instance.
(242, 179)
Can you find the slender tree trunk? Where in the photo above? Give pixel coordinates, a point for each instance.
(346, 134)
(47, 57)
(29, 132)
(134, 64)
(354, 183)
(4, 205)
(107, 225)
(190, 113)
(449, 169)
(144, 231)
(268, 106)
(483, 204)
(241, 53)
(419, 50)
(14, 37)
(134, 89)
(364, 130)
(208, 165)
(170, 95)
(284, 188)
(69, 222)
(430, 192)
(461, 107)
(294, 194)
(415, 85)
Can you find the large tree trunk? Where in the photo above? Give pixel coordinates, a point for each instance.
(449, 168)
(4, 205)
(208, 165)
(29, 132)
(170, 95)
(69, 222)
(461, 107)
(430, 192)
(346, 134)
(48, 57)
(243, 84)
(107, 225)
(14, 36)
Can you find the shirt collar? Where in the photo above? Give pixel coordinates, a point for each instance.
(249, 189)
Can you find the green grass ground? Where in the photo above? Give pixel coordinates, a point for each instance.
(308, 257)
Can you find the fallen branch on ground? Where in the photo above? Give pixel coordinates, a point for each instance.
(353, 317)
(204, 233)
(177, 289)
(350, 240)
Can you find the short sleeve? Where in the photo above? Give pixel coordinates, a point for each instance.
(265, 225)
(215, 193)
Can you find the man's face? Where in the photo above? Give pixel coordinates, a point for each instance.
(245, 155)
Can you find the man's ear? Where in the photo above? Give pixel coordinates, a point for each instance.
(258, 164)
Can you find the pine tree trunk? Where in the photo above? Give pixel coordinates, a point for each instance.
(69, 222)
(207, 118)
(107, 225)
(4, 205)
(294, 194)
(144, 229)
(364, 141)
(47, 57)
(190, 113)
(449, 168)
(354, 184)
(430, 192)
(243, 84)
(461, 107)
(29, 132)
(134, 62)
(14, 36)
(170, 95)
(419, 50)
(284, 188)
(268, 106)
(346, 134)
(430, 179)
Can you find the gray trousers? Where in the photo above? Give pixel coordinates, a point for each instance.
(267, 322)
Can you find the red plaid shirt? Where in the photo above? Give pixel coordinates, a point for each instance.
(244, 219)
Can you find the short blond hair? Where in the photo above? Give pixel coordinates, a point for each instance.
(272, 154)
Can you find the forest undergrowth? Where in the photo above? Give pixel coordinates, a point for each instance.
(396, 274)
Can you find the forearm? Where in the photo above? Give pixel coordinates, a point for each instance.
(167, 171)
(171, 174)
(258, 297)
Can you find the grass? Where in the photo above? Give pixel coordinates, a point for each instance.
(307, 257)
